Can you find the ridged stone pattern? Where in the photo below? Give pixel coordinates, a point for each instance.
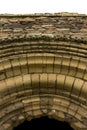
(43, 68)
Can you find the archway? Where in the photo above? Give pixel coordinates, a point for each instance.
(44, 73)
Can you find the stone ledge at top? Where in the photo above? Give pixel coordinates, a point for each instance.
(57, 26)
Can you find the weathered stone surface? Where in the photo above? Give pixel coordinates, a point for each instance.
(43, 68)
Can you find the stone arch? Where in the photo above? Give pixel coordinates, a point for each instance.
(42, 73)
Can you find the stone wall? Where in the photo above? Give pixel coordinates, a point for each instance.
(43, 68)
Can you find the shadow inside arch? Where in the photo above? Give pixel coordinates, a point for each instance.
(43, 123)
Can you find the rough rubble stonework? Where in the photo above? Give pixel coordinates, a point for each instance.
(43, 68)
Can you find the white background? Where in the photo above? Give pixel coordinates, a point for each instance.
(42, 6)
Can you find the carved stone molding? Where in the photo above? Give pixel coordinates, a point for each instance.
(43, 68)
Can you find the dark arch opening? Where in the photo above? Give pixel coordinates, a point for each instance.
(43, 123)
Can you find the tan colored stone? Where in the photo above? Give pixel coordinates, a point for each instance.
(43, 65)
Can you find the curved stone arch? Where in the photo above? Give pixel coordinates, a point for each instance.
(42, 74)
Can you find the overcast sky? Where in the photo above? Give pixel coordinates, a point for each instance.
(42, 6)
